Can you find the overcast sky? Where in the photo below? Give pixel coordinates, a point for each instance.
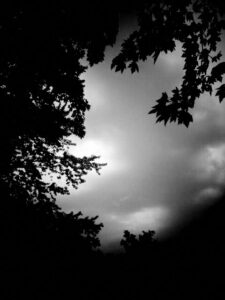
(155, 174)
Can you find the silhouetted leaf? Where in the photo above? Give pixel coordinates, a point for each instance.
(221, 92)
(186, 118)
(218, 71)
(134, 67)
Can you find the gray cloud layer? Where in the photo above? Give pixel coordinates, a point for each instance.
(155, 174)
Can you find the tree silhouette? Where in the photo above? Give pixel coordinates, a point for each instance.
(42, 104)
(134, 244)
(197, 25)
(42, 94)
(43, 248)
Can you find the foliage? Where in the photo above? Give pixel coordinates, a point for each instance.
(41, 236)
(197, 25)
(42, 58)
(143, 242)
(42, 53)
(52, 231)
(42, 93)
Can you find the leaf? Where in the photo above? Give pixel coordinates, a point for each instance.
(163, 99)
(120, 67)
(134, 67)
(119, 63)
(218, 71)
(153, 111)
(166, 118)
(186, 118)
(156, 55)
(221, 92)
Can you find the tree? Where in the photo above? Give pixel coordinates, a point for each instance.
(197, 25)
(42, 59)
(42, 94)
(42, 53)
(133, 244)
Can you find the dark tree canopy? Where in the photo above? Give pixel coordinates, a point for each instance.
(42, 104)
(143, 242)
(42, 94)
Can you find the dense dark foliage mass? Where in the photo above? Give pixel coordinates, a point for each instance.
(42, 94)
(131, 243)
(188, 266)
(42, 104)
(45, 252)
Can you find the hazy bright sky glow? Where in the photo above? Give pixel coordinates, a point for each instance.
(155, 174)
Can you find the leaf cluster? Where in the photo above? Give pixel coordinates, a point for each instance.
(133, 244)
(197, 25)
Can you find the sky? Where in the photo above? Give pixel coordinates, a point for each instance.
(155, 175)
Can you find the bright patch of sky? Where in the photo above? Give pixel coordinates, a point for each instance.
(154, 174)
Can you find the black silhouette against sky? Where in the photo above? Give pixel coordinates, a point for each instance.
(153, 172)
(155, 175)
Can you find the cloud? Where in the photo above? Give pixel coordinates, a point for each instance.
(174, 59)
(156, 175)
(106, 149)
(210, 164)
(148, 218)
(207, 195)
(200, 115)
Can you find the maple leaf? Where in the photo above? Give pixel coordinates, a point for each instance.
(221, 92)
(218, 71)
